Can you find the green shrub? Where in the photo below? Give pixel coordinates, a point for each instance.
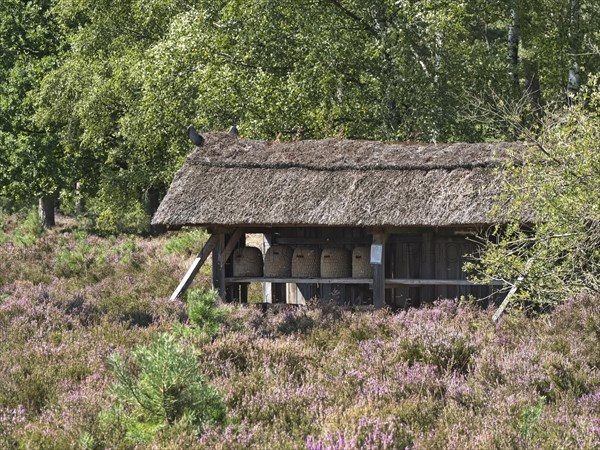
(557, 183)
(111, 214)
(83, 259)
(27, 230)
(186, 242)
(160, 386)
(530, 416)
(204, 314)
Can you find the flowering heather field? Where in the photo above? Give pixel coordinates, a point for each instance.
(442, 376)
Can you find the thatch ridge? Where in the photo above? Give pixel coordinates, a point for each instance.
(343, 167)
(334, 182)
(329, 154)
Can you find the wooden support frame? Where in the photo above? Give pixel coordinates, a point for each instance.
(228, 250)
(378, 264)
(389, 282)
(219, 265)
(232, 291)
(294, 295)
(512, 291)
(195, 267)
(267, 286)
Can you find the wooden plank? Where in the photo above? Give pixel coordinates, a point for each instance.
(322, 241)
(426, 267)
(453, 249)
(388, 281)
(441, 266)
(435, 282)
(218, 266)
(294, 295)
(195, 267)
(231, 290)
(291, 297)
(299, 280)
(309, 290)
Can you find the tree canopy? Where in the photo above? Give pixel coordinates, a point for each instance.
(99, 93)
(31, 159)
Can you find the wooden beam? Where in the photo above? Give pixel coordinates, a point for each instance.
(300, 280)
(435, 282)
(378, 264)
(389, 282)
(233, 241)
(512, 292)
(321, 241)
(218, 266)
(195, 267)
(243, 286)
(294, 295)
(267, 286)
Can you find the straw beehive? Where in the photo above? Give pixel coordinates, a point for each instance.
(306, 262)
(335, 263)
(247, 262)
(278, 261)
(361, 262)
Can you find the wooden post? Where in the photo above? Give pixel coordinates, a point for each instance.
(378, 263)
(243, 286)
(267, 287)
(231, 291)
(195, 267)
(231, 244)
(218, 266)
(512, 291)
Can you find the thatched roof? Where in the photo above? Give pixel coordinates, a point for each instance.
(231, 181)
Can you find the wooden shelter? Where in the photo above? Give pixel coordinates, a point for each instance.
(413, 206)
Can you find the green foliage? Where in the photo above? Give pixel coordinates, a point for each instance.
(114, 216)
(557, 187)
(78, 260)
(162, 385)
(203, 311)
(530, 416)
(87, 441)
(98, 94)
(25, 229)
(32, 162)
(186, 242)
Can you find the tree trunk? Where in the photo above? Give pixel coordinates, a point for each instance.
(513, 48)
(151, 203)
(533, 90)
(513, 60)
(80, 202)
(46, 207)
(575, 40)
